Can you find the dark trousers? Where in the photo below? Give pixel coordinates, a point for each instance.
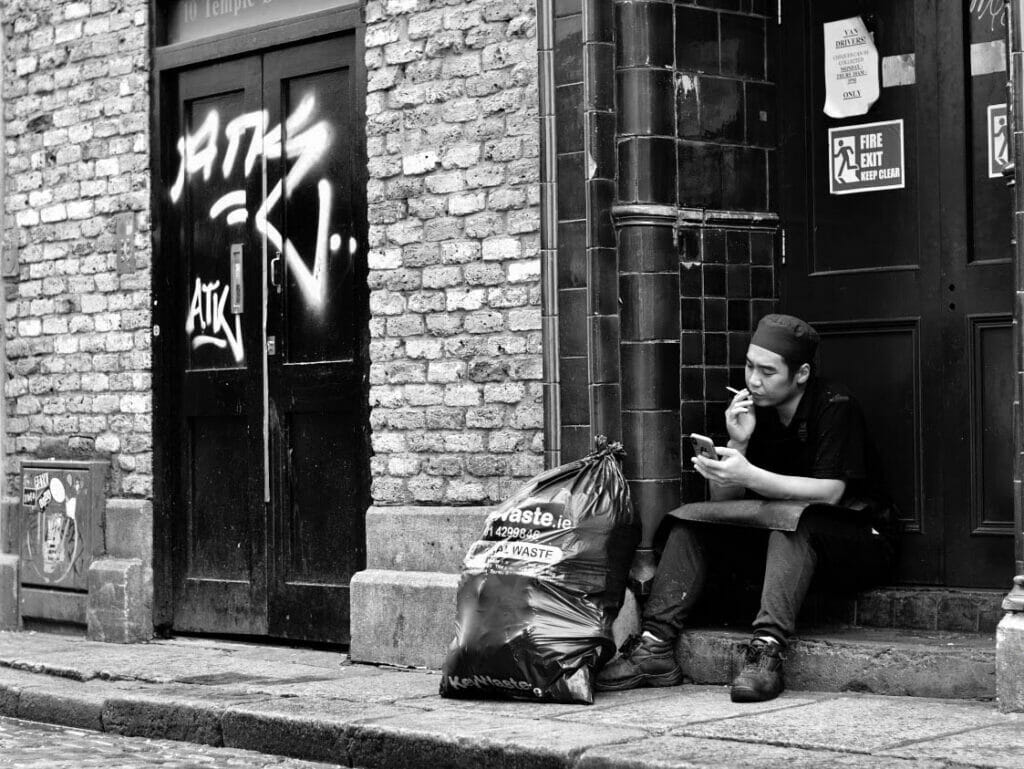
(831, 545)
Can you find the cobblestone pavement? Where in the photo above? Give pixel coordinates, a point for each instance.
(30, 745)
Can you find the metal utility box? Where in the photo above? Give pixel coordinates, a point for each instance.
(60, 531)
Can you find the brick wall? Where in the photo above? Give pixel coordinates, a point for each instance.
(454, 264)
(76, 114)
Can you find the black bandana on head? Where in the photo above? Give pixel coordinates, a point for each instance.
(788, 336)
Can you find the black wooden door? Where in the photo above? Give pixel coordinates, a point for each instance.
(219, 552)
(316, 314)
(910, 286)
(269, 213)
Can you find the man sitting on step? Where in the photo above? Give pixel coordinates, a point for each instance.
(792, 436)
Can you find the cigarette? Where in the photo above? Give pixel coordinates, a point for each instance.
(733, 390)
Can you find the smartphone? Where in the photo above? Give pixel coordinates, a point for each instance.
(703, 446)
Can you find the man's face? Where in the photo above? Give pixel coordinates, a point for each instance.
(768, 377)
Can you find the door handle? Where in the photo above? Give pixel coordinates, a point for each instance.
(275, 277)
(237, 280)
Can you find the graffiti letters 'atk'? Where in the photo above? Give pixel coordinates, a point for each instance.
(300, 139)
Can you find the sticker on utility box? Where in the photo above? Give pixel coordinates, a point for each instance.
(866, 158)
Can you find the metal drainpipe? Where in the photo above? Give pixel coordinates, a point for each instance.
(1014, 601)
(548, 233)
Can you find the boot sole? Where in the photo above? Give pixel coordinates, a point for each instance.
(743, 694)
(672, 678)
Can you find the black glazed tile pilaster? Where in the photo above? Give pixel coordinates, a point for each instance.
(600, 76)
(646, 102)
(761, 119)
(567, 7)
(576, 442)
(568, 50)
(654, 438)
(696, 34)
(649, 381)
(573, 383)
(663, 495)
(691, 383)
(739, 315)
(687, 106)
(602, 144)
(644, 36)
(606, 409)
(601, 194)
(722, 116)
(604, 348)
(691, 315)
(744, 179)
(691, 347)
(737, 281)
(644, 299)
(691, 281)
(700, 174)
(714, 281)
(647, 172)
(603, 281)
(572, 254)
(569, 118)
(599, 20)
(572, 312)
(572, 202)
(743, 46)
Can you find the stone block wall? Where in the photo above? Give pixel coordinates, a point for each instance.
(453, 192)
(76, 119)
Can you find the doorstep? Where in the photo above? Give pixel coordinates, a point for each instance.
(886, 661)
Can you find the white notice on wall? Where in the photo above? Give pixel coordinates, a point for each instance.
(851, 68)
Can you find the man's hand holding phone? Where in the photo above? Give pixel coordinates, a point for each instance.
(731, 467)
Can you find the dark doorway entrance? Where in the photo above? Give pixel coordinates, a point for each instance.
(264, 239)
(912, 286)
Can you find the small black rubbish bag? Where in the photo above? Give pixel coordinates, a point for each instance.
(540, 589)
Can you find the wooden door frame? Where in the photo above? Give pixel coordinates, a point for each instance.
(1015, 102)
(166, 61)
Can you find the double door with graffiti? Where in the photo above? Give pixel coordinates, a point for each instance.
(266, 436)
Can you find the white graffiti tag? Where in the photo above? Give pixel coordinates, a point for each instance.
(307, 140)
(207, 307)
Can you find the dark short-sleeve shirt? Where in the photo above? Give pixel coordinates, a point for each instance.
(825, 439)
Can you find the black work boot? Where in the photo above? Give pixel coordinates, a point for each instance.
(642, 661)
(761, 677)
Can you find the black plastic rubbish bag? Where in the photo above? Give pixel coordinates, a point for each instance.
(540, 590)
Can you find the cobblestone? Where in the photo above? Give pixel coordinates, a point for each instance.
(30, 745)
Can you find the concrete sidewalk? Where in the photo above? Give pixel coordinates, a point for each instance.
(317, 705)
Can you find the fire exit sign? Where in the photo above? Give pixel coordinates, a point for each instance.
(866, 158)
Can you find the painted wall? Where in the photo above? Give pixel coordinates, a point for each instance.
(76, 113)
(454, 262)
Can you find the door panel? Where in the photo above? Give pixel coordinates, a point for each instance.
(272, 291)
(316, 308)
(220, 583)
(892, 403)
(911, 287)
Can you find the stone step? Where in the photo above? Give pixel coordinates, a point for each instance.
(856, 659)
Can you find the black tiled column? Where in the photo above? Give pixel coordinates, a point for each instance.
(646, 199)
